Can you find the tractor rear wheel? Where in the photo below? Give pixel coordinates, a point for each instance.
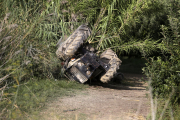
(110, 57)
(69, 47)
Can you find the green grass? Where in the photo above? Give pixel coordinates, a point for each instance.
(20, 102)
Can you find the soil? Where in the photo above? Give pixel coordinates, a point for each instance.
(125, 101)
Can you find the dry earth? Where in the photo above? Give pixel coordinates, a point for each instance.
(126, 101)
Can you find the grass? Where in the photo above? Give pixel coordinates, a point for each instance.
(29, 98)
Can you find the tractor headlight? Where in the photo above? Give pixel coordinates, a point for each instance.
(88, 73)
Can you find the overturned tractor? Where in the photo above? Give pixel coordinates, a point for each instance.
(81, 63)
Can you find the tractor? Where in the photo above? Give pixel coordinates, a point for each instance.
(81, 61)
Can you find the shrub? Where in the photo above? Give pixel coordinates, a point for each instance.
(164, 71)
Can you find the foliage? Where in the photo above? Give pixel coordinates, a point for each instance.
(126, 26)
(164, 72)
(29, 31)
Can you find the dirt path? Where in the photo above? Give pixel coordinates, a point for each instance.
(126, 101)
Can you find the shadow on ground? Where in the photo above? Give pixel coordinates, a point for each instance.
(130, 82)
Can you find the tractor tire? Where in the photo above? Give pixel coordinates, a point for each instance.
(110, 57)
(107, 55)
(69, 47)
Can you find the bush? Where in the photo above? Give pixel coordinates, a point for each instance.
(164, 71)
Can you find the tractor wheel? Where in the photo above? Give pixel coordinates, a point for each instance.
(107, 55)
(110, 57)
(74, 41)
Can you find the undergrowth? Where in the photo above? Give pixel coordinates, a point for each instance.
(163, 71)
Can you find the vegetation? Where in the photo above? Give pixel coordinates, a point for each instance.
(164, 71)
(30, 29)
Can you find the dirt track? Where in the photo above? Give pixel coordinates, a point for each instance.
(125, 101)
